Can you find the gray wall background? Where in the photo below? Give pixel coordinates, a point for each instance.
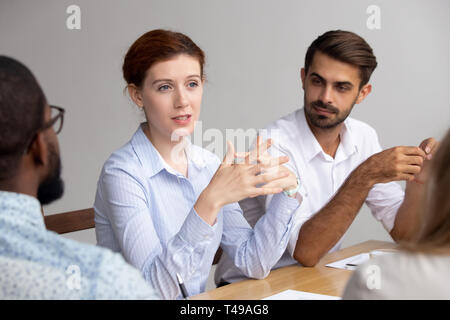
(254, 49)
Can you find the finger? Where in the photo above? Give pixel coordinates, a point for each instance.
(434, 146)
(262, 191)
(268, 177)
(241, 155)
(253, 155)
(260, 148)
(269, 162)
(414, 160)
(407, 177)
(429, 145)
(264, 146)
(401, 177)
(410, 169)
(273, 169)
(256, 169)
(412, 151)
(229, 157)
(280, 183)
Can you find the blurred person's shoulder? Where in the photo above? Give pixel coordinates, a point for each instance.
(402, 275)
(86, 271)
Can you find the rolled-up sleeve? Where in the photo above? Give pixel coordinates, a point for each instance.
(384, 199)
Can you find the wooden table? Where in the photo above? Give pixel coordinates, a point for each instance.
(318, 279)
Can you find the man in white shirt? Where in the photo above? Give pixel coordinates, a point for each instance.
(338, 160)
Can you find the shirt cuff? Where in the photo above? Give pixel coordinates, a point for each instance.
(195, 230)
(284, 204)
(292, 243)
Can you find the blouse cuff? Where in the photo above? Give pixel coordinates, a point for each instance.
(195, 230)
(285, 205)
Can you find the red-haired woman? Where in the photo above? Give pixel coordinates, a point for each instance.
(166, 204)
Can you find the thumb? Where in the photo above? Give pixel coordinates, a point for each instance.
(229, 157)
(425, 145)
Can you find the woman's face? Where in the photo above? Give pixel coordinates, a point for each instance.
(171, 96)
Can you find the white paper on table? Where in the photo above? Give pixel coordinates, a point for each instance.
(358, 259)
(300, 295)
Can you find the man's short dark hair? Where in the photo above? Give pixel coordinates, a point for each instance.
(22, 105)
(347, 47)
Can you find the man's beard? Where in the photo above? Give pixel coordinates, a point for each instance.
(324, 122)
(52, 188)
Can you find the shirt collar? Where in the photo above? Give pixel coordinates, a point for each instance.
(151, 159)
(193, 154)
(312, 147)
(347, 142)
(21, 208)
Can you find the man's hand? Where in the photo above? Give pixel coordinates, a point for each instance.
(429, 146)
(398, 163)
(407, 221)
(334, 219)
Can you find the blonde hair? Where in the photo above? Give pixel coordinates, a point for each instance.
(434, 232)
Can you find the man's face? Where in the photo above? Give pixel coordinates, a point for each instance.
(52, 187)
(331, 90)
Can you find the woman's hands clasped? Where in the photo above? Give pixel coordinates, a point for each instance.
(257, 173)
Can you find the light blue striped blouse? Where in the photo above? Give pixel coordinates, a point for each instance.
(144, 209)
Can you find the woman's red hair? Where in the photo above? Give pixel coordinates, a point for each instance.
(155, 46)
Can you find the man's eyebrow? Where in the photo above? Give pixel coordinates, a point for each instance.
(318, 76)
(339, 83)
(344, 83)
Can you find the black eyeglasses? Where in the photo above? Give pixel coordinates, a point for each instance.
(56, 121)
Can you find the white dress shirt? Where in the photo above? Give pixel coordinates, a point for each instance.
(320, 177)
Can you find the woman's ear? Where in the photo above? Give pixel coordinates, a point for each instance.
(136, 95)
